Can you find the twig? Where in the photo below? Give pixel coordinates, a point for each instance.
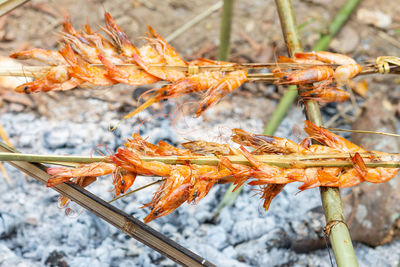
(4, 136)
(9, 5)
(362, 131)
(136, 190)
(194, 21)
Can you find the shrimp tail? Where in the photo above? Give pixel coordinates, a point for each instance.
(56, 180)
(118, 36)
(270, 192)
(114, 72)
(142, 107)
(359, 164)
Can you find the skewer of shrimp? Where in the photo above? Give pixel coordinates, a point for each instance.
(373, 175)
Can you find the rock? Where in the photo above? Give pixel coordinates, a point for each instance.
(346, 41)
(216, 237)
(117, 253)
(8, 224)
(86, 261)
(374, 17)
(8, 258)
(168, 229)
(230, 252)
(214, 256)
(56, 138)
(373, 210)
(56, 258)
(225, 219)
(79, 237)
(251, 229)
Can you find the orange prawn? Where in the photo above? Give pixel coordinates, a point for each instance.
(58, 78)
(64, 174)
(266, 143)
(124, 180)
(207, 148)
(169, 203)
(229, 83)
(165, 149)
(348, 67)
(310, 75)
(131, 162)
(127, 74)
(325, 95)
(84, 71)
(103, 45)
(166, 50)
(140, 146)
(132, 53)
(49, 57)
(241, 172)
(80, 44)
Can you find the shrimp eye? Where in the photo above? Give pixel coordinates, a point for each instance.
(312, 94)
(334, 84)
(26, 88)
(165, 93)
(204, 106)
(285, 77)
(122, 182)
(122, 191)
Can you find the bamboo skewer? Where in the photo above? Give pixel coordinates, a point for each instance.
(339, 235)
(39, 71)
(385, 160)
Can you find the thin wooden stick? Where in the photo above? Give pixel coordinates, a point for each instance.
(285, 161)
(9, 5)
(194, 21)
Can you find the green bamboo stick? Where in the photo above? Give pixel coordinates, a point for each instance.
(339, 233)
(336, 25)
(291, 94)
(225, 30)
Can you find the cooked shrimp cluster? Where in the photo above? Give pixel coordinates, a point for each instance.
(334, 70)
(89, 59)
(188, 182)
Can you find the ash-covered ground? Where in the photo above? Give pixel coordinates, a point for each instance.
(35, 232)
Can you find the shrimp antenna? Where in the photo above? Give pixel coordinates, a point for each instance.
(136, 190)
(145, 105)
(362, 131)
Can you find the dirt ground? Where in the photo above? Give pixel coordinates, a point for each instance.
(256, 37)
